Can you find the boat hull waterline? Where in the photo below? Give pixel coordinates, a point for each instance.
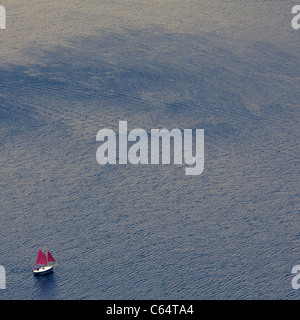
(43, 270)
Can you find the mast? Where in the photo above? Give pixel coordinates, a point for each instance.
(46, 254)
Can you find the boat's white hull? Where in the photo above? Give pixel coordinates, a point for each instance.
(43, 270)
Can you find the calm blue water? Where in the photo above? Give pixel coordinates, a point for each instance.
(151, 232)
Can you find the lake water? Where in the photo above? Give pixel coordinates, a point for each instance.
(69, 69)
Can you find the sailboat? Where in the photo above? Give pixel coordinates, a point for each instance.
(44, 263)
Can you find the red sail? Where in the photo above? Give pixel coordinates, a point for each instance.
(41, 259)
(50, 258)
